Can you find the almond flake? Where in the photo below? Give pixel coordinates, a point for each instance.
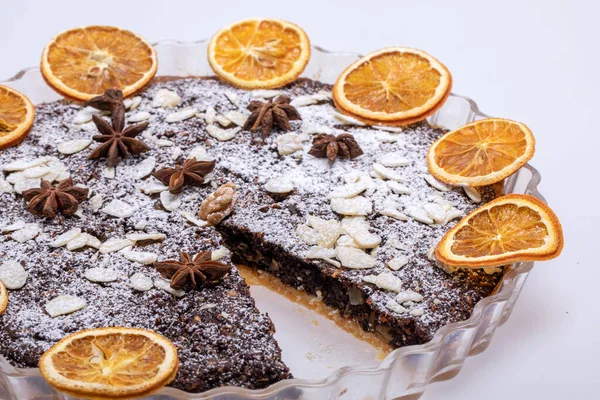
(409, 295)
(165, 285)
(394, 213)
(92, 241)
(170, 201)
(358, 229)
(473, 194)
(436, 212)
(141, 257)
(145, 167)
(181, 115)
(347, 120)
(452, 213)
(289, 143)
(13, 275)
(78, 242)
(233, 98)
(395, 307)
(385, 281)
(315, 222)
(96, 202)
(153, 187)
(222, 134)
(82, 117)
(317, 252)
(329, 232)
(101, 275)
(387, 137)
(419, 214)
(219, 253)
(26, 184)
(397, 262)
(139, 117)
(24, 164)
(109, 172)
(118, 208)
(279, 185)
(417, 312)
(65, 304)
(351, 257)
(132, 103)
(441, 186)
(166, 98)
(307, 234)
(387, 173)
(397, 244)
(5, 186)
(114, 244)
(393, 160)
(236, 117)
(163, 143)
(393, 129)
(15, 226)
(265, 94)
(191, 218)
(358, 205)
(73, 146)
(66, 237)
(36, 172)
(398, 188)
(350, 190)
(139, 237)
(28, 232)
(304, 100)
(224, 122)
(210, 115)
(200, 154)
(141, 282)
(346, 240)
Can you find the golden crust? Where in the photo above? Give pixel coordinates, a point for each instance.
(483, 180)
(79, 389)
(277, 82)
(16, 136)
(3, 297)
(75, 95)
(551, 249)
(399, 118)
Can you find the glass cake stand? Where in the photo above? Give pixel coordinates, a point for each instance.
(345, 370)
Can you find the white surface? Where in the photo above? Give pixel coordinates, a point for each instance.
(527, 61)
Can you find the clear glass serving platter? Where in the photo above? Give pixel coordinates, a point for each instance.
(328, 362)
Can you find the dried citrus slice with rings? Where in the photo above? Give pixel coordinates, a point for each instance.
(110, 363)
(481, 153)
(259, 53)
(508, 229)
(3, 297)
(16, 117)
(83, 62)
(395, 85)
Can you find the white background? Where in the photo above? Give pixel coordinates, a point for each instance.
(533, 61)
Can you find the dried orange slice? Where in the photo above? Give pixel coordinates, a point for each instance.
(16, 117)
(395, 85)
(259, 53)
(481, 153)
(110, 363)
(83, 62)
(3, 297)
(508, 229)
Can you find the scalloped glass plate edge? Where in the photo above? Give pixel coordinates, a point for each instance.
(405, 372)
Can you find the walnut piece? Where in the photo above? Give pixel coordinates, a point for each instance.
(219, 204)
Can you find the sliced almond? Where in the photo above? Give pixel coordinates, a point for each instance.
(358, 229)
(141, 282)
(101, 275)
(219, 253)
(73, 146)
(265, 93)
(397, 262)
(279, 185)
(145, 167)
(13, 275)
(418, 214)
(222, 134)
(139, 237)
(236, 117)
(307, 234)
(408, 295)
(36, 172)
(473, 194)
(394, 213)
(441, 186)
(118, 208)
(289, 143)
(23, 164)
(398, 188)
(63, 305)
(142, 257)
(349, 190)
(66, 237)
(351, 257)
(181, 115)
(329, 232)
(358, 205)
(139, 117)
(393, 160)
(170, 201)
(191, 218)
(166, 99)
(15, 226)
(387, 173)
(165, 285)
(114, 244)
(28, 232)
(386, 281)
(395, 307)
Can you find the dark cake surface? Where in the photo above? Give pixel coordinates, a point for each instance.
(221, 337)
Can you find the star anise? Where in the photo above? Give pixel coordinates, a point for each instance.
(192, 172)
(110, 100)
(266, 115)
(199, 271)
(332, 147)
(115, 140)
(48, 200)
